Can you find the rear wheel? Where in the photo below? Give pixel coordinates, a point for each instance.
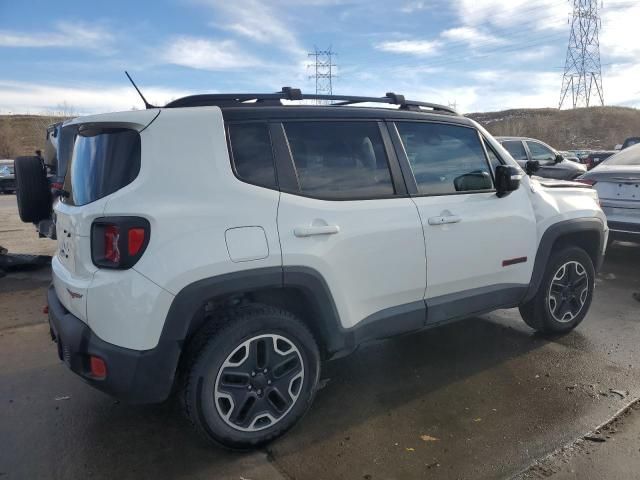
(32, 189)
(252, 378)
(564, 296)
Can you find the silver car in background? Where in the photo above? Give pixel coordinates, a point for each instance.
(617, 180)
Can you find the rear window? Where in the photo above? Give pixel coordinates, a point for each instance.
(103, 161)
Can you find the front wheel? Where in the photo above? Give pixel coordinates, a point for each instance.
(252, 378)
(565, 293)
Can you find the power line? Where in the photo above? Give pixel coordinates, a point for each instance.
(582, 68)
(323, 71)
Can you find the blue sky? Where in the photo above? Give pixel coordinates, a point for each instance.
(481, 54)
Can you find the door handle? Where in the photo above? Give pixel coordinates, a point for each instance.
(442, 220)
(316, 230)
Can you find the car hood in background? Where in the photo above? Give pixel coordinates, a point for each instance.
(614, 172)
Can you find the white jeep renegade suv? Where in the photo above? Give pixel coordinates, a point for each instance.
(289, 234)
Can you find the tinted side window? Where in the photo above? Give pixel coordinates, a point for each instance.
(445, 158)
(493, 156)
(516, 149)
(340, 160)
(540, 152)
(252, 154)
(103, 161)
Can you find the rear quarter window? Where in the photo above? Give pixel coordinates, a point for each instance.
(103, 161)
(251, 153)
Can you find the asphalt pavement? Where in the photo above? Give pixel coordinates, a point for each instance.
(483, 398)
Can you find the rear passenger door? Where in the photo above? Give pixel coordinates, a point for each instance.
(479, 246)
(346, 216)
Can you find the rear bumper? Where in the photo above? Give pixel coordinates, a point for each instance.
(133, 376)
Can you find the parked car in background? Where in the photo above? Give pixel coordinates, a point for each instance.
(39, 181)
(7, 177)
(629, 142)
(581, 154)
(550, 163)
(596, 157)
(617, 181)
(572, 157)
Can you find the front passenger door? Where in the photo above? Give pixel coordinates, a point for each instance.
(479, 246)
(547, 159)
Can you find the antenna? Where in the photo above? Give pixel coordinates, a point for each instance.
(147, 105)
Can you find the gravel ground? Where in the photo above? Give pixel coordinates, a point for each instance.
(484, 398)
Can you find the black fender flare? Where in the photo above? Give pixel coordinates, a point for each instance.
(551, 235)
(181, 321)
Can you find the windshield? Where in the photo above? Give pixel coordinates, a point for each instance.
(103, 161)
(6, 170)
(628, 156)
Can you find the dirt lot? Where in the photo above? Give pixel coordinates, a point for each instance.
(484, 398)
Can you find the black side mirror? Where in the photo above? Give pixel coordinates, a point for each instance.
(532, 166)
(559, 158)
(507, 179)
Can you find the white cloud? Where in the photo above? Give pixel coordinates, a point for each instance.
(540, 15)
(414, 6)
(620, 35)
(257, 21)
(18, 97)
(412, 47)
(207, 54)
(65, 35)
(471, 36)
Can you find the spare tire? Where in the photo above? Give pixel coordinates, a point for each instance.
(32, 189)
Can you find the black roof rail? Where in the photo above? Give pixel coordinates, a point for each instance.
(293, 94)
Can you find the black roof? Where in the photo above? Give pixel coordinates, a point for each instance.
(318, 112)
(261, 100)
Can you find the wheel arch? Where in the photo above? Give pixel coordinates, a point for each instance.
(586, 233)
(300, 290)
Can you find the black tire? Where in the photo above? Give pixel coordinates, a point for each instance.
(224, 340)
(541, 313)
(32, 189)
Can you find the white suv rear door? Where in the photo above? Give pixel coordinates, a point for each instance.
(480, 248)
(348, 220)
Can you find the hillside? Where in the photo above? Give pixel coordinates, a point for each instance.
(584, 128)
(23, 134)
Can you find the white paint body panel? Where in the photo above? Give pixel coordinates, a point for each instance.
(468, 254)
(187, 241)
(375, 261)
(245, 244)
(205, 223)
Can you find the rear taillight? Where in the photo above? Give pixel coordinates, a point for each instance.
(118, 242)
(111, 247)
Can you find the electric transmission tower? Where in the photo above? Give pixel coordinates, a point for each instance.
(582, 70)
(323, 71)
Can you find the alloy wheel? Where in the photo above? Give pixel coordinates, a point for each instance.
(568, 291)
(259, 382)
